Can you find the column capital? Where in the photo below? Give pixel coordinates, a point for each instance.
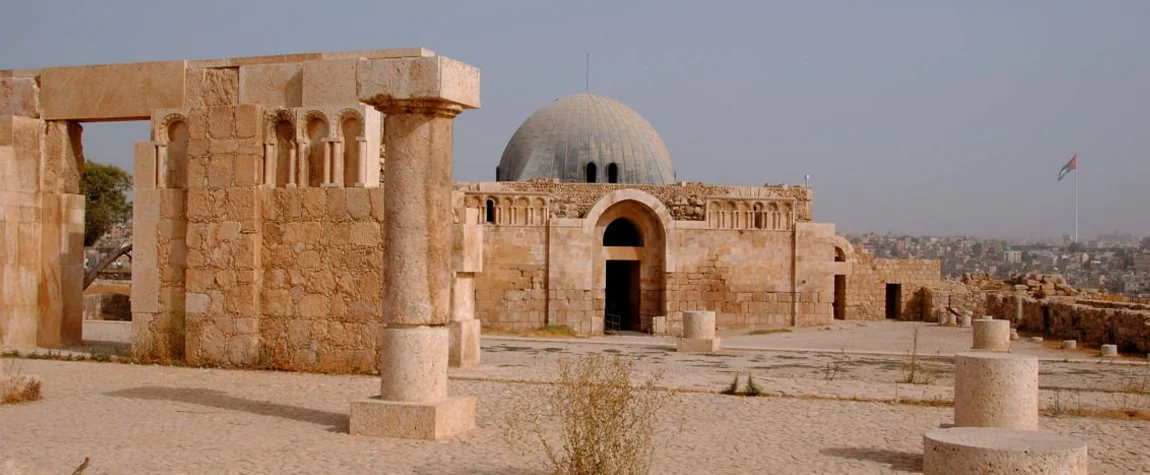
(419, 107)
(382, 81)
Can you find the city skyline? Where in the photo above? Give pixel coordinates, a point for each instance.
(916, 118)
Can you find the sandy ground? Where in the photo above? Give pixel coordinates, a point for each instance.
(154, 419)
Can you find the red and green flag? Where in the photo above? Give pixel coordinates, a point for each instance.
(1071, 165)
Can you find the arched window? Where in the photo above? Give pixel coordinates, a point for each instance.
(496, 173)
(317, 135)
(840, 255)
(285, 142)
(491, 211)
(612, 173)
(591, 178)
(622, 232)
(177, 155)
(352, 134)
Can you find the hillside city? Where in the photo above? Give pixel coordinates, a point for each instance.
(1117, 262)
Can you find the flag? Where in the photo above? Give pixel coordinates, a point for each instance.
(1071, 165)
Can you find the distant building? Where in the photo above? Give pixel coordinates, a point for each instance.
(1012, 257)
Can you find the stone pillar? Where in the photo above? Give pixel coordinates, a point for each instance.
(413, 401)
(292, 157)
(270, 164)
(1017, 309)
(327, 162)
(966, 319)
(1109, 351)
(161, 166)
(337, 164)
(698, 333)
(984, 450)
(361, 143)
(996, 390)
(467, 260)
(304, 168)
(991, 335)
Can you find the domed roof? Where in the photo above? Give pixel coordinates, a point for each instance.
(564, 137)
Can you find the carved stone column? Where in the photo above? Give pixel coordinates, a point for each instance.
(420, 98)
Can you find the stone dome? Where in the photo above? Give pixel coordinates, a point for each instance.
(586, 138)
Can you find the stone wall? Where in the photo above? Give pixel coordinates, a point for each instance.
(954, 295)
(511, 293)
(867, 284)
(321, 295)
(1090, 322)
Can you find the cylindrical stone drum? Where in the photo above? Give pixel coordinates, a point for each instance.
(991, 335)
(1109, 350)
(986, 450)
(966, 321)
(996, 390)
(1069, 344)
(1013, 334)
(699, 324)
(413, 365)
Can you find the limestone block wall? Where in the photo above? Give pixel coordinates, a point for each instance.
(743, 276)
(953, 294)
(511, 292)
(42, 224)
(866, 286)
(321, 295)
(1090, 322)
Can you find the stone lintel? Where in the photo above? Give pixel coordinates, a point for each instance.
(383, 81)
(374, 417)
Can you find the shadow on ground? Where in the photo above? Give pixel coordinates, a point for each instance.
(337, 422)
(903, 461)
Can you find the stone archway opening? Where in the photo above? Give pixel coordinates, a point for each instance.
(840, 291)
(630, 274)
(622, 294)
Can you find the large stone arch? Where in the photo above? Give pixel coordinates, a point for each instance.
(653, 222)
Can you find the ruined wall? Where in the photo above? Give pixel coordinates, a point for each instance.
(866, 286)
(511, 292)
(321, 295)
(1087, 321)
(743, 276)
(955, 295)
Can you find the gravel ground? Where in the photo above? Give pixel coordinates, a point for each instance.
(153, 419)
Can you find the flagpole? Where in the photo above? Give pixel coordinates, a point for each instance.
(1076, 172)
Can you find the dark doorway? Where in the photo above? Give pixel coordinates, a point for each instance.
(622, 312)
(893, 301)
(840, 303)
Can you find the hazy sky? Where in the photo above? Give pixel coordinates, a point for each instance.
(914, 117)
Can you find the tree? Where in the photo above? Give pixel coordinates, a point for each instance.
(105, 190)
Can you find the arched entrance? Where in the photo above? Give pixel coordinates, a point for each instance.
(630, 273)
(840, 302)
(622, 295)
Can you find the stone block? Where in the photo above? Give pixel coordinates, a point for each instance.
(436, 420)
(20, 96)
(699, 325)
(994, 451)
(996, 390)
(1109, 351)
(435, 78)
(1069, 344)
(991, 335)
(329, 82)
(698, 345)
(272, 85)
(463, 351)
(128, 91)
(659, 325)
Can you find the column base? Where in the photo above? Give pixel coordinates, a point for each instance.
(463, 349)
(374, 417)
(698, 345)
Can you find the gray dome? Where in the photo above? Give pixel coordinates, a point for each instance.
(562, 138)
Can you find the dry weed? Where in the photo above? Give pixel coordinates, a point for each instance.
(593, 420)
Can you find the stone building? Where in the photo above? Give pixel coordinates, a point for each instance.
(259, 214)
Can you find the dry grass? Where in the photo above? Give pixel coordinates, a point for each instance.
(915, 371)
(15, 387)
(769, 331)
(604, 424)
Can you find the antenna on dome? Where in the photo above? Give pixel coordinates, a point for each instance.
(587, 71)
